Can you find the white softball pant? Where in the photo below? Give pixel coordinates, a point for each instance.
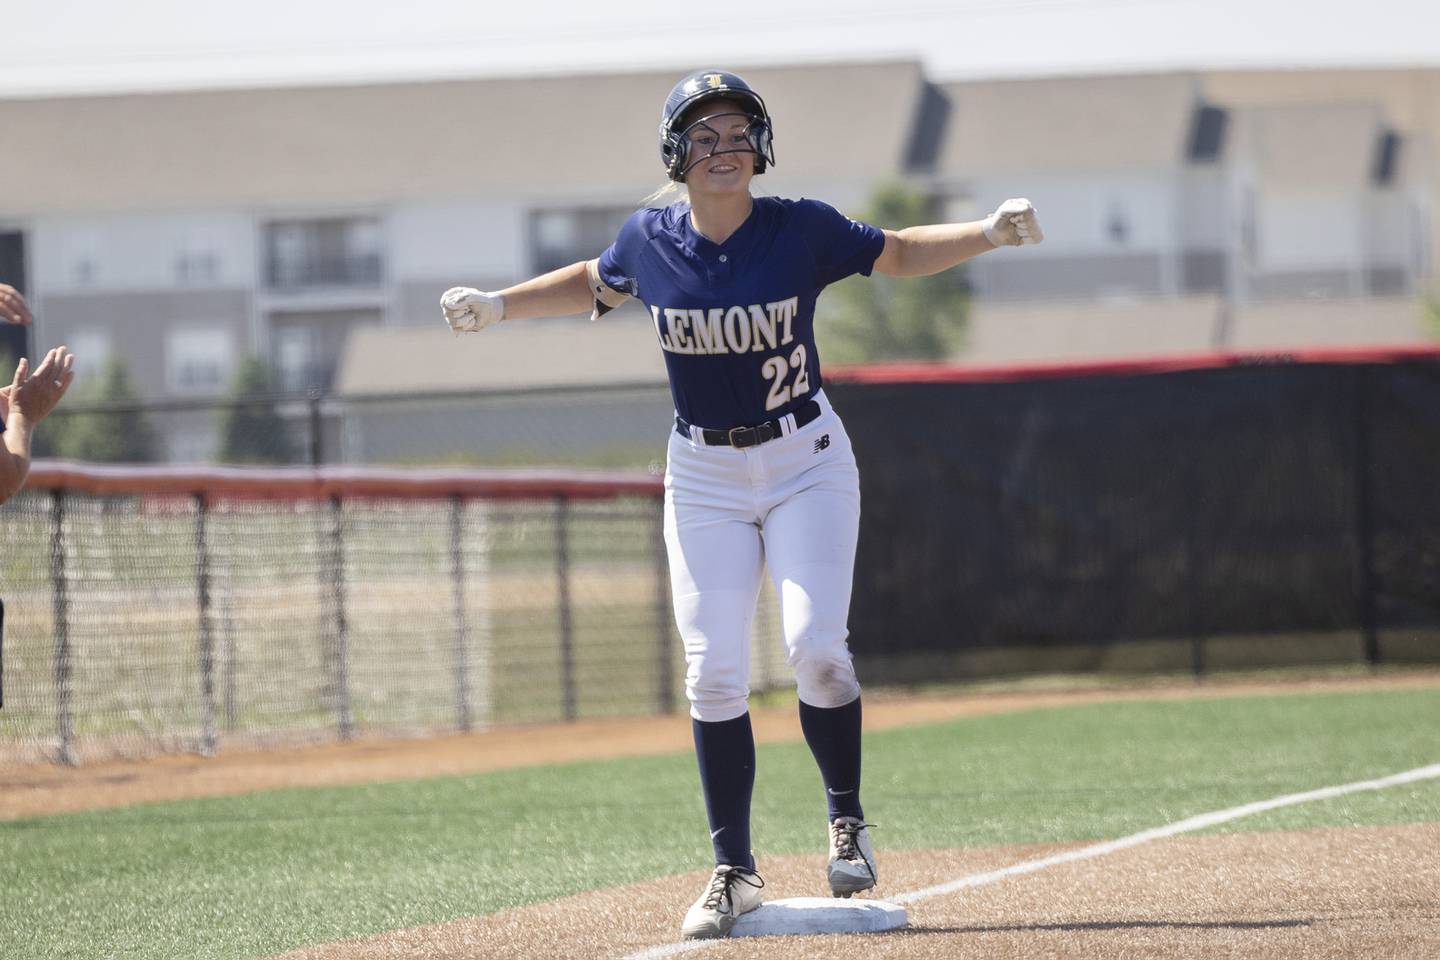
(793, 503)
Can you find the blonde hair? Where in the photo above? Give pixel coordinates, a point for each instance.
(668, 193)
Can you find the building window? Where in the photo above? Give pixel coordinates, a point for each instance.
(1387, 159)
(1117, 223)
(197, 269)
(308, 345)
(85, 270)
(92, 351)
(82, 255)
(335, 252)
(198, 360)
(1207, 134)
(562, 237)
(293, 356)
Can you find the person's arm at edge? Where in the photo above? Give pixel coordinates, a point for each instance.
(15, 456)
(15, 441)
(28, 400)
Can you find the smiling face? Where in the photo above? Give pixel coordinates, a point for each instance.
(721, 157)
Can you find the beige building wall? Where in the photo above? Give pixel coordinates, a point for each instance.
(1377, 321)
(1409, 99)
(528, 140)
(1039, 332)
(137, 325)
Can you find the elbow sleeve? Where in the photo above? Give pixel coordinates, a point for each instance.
(605, 297)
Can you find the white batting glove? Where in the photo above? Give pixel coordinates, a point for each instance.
(468, 310)
(1013, 224)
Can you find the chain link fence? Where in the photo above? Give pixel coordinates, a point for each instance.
(263, 610)
(155, 617)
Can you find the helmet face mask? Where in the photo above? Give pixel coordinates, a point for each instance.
(690, 150)
(678, 129)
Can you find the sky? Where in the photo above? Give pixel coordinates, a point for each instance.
(88, 46)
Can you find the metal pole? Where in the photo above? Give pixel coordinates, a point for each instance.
(481, 598)
(65, 717)
(227, 639)
(340, 647)
(317, 449)
(1194, 552)
(207, 637)
(457, 581)
(567, 628)
(664, 652)
(1364, 518)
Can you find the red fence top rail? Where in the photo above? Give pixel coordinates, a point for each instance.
(934, 372)
(295, 483)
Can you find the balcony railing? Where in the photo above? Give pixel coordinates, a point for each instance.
(283, 274)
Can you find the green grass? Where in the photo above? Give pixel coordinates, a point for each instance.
(245, 876)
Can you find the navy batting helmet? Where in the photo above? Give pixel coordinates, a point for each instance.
(703, 85)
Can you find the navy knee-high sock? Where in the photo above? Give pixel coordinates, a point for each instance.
(726, 751)
(834, 737)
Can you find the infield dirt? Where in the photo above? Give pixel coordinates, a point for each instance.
(1305, 895)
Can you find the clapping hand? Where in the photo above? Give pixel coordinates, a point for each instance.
(33, 396)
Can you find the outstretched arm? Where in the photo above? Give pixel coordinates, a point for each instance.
(558, 293)
(14, 454)
(922, 251)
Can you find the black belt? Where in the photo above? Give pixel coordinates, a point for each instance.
(749, 436)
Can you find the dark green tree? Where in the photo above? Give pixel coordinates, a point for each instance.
(864, 319)
(252, 430)
(114, 428)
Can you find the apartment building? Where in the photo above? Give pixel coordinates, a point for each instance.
(181, 231)
(1184, 212)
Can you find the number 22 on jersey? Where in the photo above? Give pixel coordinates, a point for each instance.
(776, 371)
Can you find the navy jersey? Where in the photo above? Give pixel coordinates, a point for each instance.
(737, 319)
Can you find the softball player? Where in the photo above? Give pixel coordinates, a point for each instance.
(759, 468)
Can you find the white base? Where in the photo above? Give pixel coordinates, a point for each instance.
(819, 915)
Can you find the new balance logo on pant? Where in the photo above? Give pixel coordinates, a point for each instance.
(822, 444)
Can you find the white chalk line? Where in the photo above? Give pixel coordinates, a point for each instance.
(1188, 825)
